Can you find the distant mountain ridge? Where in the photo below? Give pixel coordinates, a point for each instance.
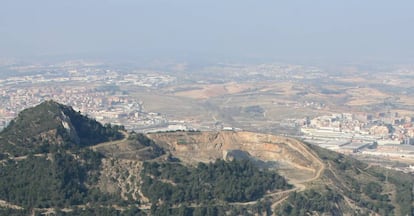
(48, 124)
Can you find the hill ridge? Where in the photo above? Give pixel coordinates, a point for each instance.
(50, 124)
(167, 173)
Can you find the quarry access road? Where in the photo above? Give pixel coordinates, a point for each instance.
(115, 142)
(299, 185)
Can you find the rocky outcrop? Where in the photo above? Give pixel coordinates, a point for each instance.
(271, 151)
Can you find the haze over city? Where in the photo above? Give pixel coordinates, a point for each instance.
(294, 31)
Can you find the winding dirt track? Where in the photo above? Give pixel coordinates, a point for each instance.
(298, 185)
(304, 149)
(115, 142)
(205, 145)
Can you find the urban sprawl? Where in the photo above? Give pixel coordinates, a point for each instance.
(96, 92)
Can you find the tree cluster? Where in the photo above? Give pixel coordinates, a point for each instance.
(39, 182)
(310, 201)
(235, 181)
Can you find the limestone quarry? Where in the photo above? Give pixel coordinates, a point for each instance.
(290, 157)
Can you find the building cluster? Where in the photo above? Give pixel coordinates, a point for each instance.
(150, 79)
(362, 133)
(263, 72)
(96, 94)
(105, 106)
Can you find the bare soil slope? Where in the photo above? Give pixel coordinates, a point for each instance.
(292, 158)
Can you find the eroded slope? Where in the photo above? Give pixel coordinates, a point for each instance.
(288, 155)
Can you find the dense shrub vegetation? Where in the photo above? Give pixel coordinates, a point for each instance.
(403, 185)
(38, 182)
(366, 185)
(235, 181)
(304, 203)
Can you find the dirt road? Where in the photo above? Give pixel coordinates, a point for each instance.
(115, 142)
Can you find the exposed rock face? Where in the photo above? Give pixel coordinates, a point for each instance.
(122, 177)
(70, 129)
(268, 150)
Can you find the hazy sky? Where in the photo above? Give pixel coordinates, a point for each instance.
(218, 29)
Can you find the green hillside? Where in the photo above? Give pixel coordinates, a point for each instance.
(169, 184)
(50, 124)
(349, 185)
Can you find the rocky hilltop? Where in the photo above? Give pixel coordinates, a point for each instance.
(51, 124)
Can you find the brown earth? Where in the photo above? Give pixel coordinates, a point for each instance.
(293, 159)
(290, 157)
